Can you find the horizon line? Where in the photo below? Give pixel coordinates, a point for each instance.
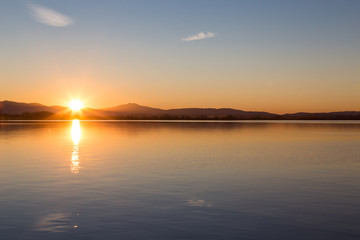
(104, 108)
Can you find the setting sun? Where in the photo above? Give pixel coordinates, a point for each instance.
(76, 105)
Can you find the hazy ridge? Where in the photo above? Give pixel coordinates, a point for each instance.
(17, 110)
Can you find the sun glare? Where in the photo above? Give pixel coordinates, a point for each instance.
(76, 105)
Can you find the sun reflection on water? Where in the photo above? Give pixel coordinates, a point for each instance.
(76, 131)
(76, 135)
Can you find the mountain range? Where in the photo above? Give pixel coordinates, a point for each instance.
(16, 110)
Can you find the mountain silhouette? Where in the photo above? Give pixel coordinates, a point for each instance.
(18, 110)
(10, 107)
(133, 108)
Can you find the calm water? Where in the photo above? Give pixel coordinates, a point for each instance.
(180, 180)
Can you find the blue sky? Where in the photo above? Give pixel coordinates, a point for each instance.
(279, 56)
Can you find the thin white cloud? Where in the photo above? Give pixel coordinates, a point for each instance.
(199, 36)
(49, 16)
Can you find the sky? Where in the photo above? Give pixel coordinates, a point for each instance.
(276, 56)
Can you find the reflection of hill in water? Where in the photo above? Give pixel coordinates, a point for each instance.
(142, 127)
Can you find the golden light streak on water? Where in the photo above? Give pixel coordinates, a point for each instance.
(76, 131)
(76, 135)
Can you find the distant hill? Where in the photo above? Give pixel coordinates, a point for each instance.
(9, 107)
(16, 110)
(133, 108)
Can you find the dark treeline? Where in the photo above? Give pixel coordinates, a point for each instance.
(26, 116)
(194, 117)
(43, 115)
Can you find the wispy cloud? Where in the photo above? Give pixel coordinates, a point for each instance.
(199, 36)
(49, 16)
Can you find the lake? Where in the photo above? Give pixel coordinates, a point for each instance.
(180, 180)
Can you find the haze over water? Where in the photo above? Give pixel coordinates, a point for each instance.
(180, 180)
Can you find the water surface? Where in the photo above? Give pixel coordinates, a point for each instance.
(180, 180)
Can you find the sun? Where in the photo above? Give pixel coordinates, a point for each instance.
(76, 105)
